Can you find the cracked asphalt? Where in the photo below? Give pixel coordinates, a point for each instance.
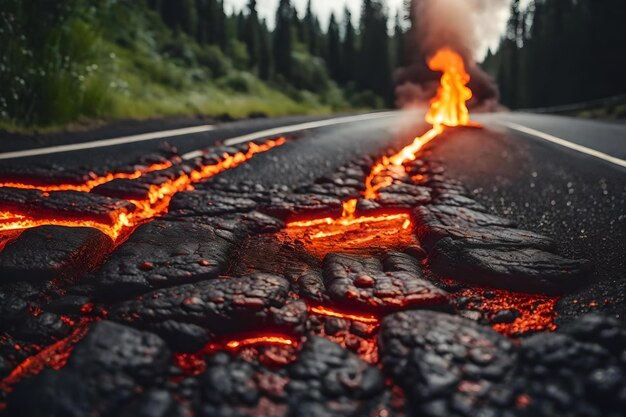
(485, 277)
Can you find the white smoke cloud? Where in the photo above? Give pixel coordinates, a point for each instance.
(468, 26)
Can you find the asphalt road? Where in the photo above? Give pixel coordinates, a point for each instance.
(576, 194)
(317, 317)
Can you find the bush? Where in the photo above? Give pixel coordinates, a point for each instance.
(239, 82)
(309, 72)
(214, 59)
(366, 99)
(46, 66)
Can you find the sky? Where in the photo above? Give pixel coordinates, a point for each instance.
(323, 9)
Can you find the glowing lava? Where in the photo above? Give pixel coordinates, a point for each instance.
(193, 364)
(54, 356)
(328, 312)
(352, 233)
(155, 205)
(91, 183)
(535, 312)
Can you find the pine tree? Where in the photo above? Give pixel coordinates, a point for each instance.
(398, 41)
(311, 30)
(333, 55)
(265, 58)
(374, 59)
(252, 34)
(283, 42)
(348, 52)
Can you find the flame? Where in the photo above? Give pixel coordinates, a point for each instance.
(91, 183)
(448, 107)
(159, 197)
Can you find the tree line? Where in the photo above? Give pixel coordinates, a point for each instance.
(360, 56)
(558, 52)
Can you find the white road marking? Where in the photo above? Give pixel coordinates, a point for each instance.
(107, 142)
(567, 144)
(281, 130)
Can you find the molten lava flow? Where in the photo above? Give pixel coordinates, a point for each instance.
(193, 364)
(91, 183)
(155, 205)
(325, 311)
(352, 233)
(535, 312)
(54, 356)
(448, 107)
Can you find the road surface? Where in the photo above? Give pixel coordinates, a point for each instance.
(521, 226)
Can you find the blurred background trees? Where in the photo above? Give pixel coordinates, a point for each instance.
(83, 59)
(559, 52)
(62, 61)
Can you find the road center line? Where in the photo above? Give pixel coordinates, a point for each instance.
(567, 144)
(294, 128)
(107, 142)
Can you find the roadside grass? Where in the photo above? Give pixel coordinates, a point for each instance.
(99, 71)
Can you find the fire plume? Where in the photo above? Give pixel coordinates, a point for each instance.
(154, 205)
(448, 107)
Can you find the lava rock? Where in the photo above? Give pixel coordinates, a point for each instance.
(324, 380)
(508, 315)
(461, 217)
(431, 230)
(104, 372)
(47, 252)
(405, 196)
(293, 206)
(63, 205)
(330, 378)
(188, 316)
(165, 253)
(446, 365)
(578, 371)
(515, 269)
(209, 203)
(458, 199)
(123, 188)
(361, 283)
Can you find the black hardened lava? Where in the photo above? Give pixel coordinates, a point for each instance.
(215, 308)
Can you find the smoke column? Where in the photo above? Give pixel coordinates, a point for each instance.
(465, 26)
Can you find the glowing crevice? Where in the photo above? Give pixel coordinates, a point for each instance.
(329, 312)
(154, 205)
(91, 183)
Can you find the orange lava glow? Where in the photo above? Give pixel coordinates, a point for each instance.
(448, 107)
(155, 205)
(193, 364)
(536, 312)
(325, 311)
(54, 356)
(261, 340)
(350, 233)
(91, 183)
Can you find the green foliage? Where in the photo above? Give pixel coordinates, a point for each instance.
(561, 51)
(308, 72)
(62, 61)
